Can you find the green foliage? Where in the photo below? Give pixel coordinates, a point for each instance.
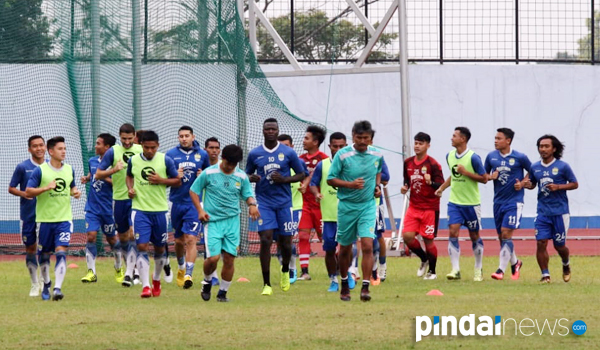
(24, 30)
(585, 44)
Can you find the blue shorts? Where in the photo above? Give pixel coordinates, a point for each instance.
(296, 216)
(379, 223)
(184, 218)
(150, 227)
(280, 220)
(122, 215)
(95, 222)
(29, 232)
(54, 234)
(507, 216)
(553, 227)
(329, 233)
(466, 215)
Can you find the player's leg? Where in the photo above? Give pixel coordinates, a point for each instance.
(347, 231)
(159, 238)
(428, 230)
(561, 229)
(191, 252)
(123, 220)
(230, 242)
(329, 247)
(374, 279)
(297, 215)
(108, 227)
(93, 224)
(472, 216)
(365, 228)
(344, 260)
(177, 223)
(382, 273)
(412, 225)
(304, 227)
(62, 238)
(284, 243)
(543, 233)
(143, 228)
(267, 224)
(455, 221)
(29, 236)
(213, 238)
(46, 244)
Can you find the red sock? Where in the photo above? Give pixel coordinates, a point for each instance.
(304, 248)
(432, 256)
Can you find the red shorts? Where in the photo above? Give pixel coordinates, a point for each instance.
(311, 219)
(423, 222)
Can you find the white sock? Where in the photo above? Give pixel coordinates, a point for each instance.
(513, 257)
(478, 252)
(334, 279)
(454, 253)
(505, 255)
(293, 262)
(375, 261)
(90, 259)
(224, 285)
(118, 258)
(131, 259)
(45, 271)
(214, 274)
(32, 267)
(143, 262)
(159, 263)
(208, 278)
(60, 270)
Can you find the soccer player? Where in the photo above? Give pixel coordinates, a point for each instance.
(296, 210)
(507, 168)
(379, 248)
(356, 172)
(311, 212)
(464, 206)
(112, 165)
(98, 212)
(422, 176)
(553, 178)
(53, 183)
(148, 175)
(212, 146)
(223, 185)
(269, 167)
(29, 234)
(190, 160)
(326, 197)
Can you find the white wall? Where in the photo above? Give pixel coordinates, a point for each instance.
(530, 99)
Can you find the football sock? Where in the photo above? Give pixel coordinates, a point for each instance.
(454, 252)
(32, 267)
(478, 252)
(90, 256)
(60, 269)
(143, 263)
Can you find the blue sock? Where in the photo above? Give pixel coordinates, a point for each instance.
(116, 246)
(32, 267)
(60, 269)
(382, 259)
(181, 261)
(294, 250)
(44, 259)
(189, 268)
(30, 259)
(91, 247)
(375, 246)
(545, 272)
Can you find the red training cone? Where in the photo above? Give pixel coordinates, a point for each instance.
(73, 266)
(243, 279)
(435, 292)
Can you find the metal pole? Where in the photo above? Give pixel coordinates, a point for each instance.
(366, 16)
(95, 68)
(292, 26)
(593, 35)
(404, 86)
(441, 14)
(252, 24)
(145, 31)
(136, 63)
(517, 31)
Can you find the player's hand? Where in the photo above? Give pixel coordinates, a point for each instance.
(302, 188)
(318, 197)
(552, 187)
(155, 179)
(51, 185)
(404, 189)
(253, 212)
(358, 184)
(84, 180)
(518, 185)
(277, 177)
(439, 192)
(461, 169)
(254, 178)
(526, 183)
(119, 166)
(377, 191)
(427, 179)
(203, 216)
(75, 192)
(131, 193)
(494, 175)
(180, 173)
(198, 172)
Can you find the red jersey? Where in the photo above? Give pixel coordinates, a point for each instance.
(311, 161)
(422, 195)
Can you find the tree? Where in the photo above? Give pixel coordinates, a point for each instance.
(585, 44)
(24, 30)
(318, 37)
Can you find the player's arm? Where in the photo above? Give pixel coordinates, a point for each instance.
(74, 190)
(488, 169)
(571, 184)
(15, 181)
(378, 185)
(33, 189)
(104, 169)
(298, 166)
(129, 180)
(333, 178)
(172, 178)
(404, 189)
(443, 187)
(195, 191)
(315, 180)
(385, 172)
(479, 175)
(251, 169)
(247, 194)
(526, 163)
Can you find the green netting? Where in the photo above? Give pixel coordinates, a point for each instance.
(193, 66)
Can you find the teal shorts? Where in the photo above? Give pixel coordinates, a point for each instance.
(355, 220)
(222, 235)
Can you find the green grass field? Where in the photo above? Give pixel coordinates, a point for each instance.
(105, 315)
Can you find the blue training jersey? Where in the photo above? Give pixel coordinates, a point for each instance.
(510, 167)
(20, 178)
(100, 196)
(191, 161)
(264, 162)
(557, 172)
(385, 172)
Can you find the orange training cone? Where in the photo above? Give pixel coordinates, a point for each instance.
(73, 266)
(243, 279)
(435, 292)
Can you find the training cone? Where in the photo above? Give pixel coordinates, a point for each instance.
(435, 292)
(243, 279)
(73, 266)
